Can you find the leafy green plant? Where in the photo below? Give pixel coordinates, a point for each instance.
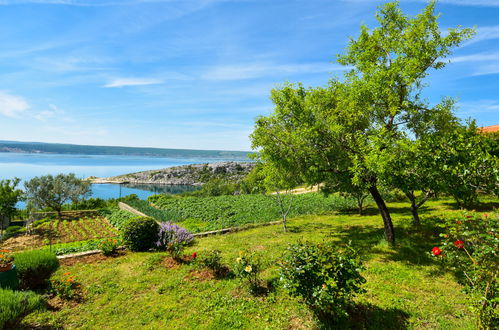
(14, 305)
(248, 267)
(118, 217)
(470, 246)
(35, 267)
(66, 287)
(140, 233)
(324, 276)
(228, 211)
(108, 246)
(213, 260)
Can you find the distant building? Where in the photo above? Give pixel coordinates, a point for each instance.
(490, 129)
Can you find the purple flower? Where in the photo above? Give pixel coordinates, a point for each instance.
(170, 232)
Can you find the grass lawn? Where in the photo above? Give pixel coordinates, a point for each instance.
(406, 287)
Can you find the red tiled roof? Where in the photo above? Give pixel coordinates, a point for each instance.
(490, 129)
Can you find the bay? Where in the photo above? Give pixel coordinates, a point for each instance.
(29, 165)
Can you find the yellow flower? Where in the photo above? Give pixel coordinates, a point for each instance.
(241, 253)
(248, 269)
(324, 286)
(238, 260)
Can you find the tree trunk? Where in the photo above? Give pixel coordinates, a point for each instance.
(414, 208)
(360, 206)
(385, 214)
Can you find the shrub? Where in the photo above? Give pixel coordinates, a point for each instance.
(470, 245)
(173, 238)
(108, 246)
(325, 277)
(248, 267)
(14, 305)
(66, 288)
(35, 267)
(12, 230)
(140, 233)
(213, 261)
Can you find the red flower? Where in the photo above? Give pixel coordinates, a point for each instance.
(459, 244)
(436, 251)
(469, 216)
(194, 255)
(458, 222)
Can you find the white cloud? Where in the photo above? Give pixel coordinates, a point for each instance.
(122, 82)
(11, 105)
(476, 57)
(256, 70)
(53, 114)
(477, 107)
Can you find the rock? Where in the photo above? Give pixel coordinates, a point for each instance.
(194, 175)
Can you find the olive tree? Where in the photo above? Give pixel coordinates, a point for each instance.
(54, 191)
(349, 128)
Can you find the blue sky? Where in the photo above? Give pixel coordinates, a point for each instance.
(195, 74)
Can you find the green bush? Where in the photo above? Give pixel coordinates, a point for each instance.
(14, 305)
(326, 278)
(140, 233)
(469, 246)
(12, 231)
(35, 267)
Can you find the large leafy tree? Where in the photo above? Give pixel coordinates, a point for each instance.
(54, 191)
(9, 196)
(349, 129)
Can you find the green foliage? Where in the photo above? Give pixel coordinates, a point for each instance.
(213, 260)
(248, 267)
(466, 164)
(14, 305)
(146, 208)
(35, 267)
(119, 217)
(54, 191)
(470, 246)
(12, 231)
(108, 246)
(89, 204)
(351, 128)
(326, 277)
(140, 233)
(66, 287)
(9, 196)
(73, 247)
(230, 211)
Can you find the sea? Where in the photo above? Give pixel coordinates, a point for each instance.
(29, 165)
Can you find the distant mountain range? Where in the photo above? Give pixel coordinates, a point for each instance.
(59, 148)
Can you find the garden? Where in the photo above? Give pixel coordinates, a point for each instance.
(403, 234)
(247, 279)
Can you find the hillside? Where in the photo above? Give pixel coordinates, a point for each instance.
(57, 148)
(195, 175)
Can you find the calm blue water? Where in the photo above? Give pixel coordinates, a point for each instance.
(27, 166)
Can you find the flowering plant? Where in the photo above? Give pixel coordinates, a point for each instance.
(66, 288)
(173, 238)
(6, 258)
(108, 246)
(248, 266)
(470, 246)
